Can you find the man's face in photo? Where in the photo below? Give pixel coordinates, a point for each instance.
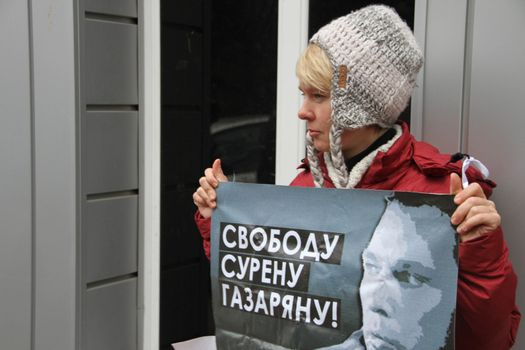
(397, 288)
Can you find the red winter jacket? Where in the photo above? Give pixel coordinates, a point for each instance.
(486, 314)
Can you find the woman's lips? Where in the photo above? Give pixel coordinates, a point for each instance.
(313, 132)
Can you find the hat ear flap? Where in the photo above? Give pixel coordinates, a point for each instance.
(337, 170)
(313, 160)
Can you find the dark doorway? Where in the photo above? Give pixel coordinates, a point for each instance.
(243, 88)
(185, 310)
(218, 75)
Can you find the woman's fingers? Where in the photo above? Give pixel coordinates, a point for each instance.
(473, 190)
(475, 214)
(205, 197)
(217, 171)
(475, 217)
(482, 219)
(465, 207)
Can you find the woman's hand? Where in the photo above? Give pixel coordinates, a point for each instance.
(205, 197)
(475, 214)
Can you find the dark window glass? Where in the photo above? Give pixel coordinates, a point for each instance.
(243, 88)
(218, 76)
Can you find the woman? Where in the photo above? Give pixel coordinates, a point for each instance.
(357, 75)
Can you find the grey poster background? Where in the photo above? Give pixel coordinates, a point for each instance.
(354, 213)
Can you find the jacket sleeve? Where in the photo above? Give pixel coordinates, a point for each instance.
(487, 316)
(203, 225)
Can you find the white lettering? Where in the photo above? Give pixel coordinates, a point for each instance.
(298, 308)
(228, 228)
(254, 267)
(272, 272)
(287, 302)
(295, 274)
(243, 267)
(321, 312)
(305, 309)
(275, 300)
(276, 241)
(264, 239)
(266, 270)
(236, 298)
(225, 288)
(329, 247)
(261, 303)
(286, 245)
(227, 274)
(310, 248)
(279, 272)
(243, 240)
(275, 244)
(249, 298)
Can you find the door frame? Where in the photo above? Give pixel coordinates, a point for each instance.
(149, 194)
(290, 131)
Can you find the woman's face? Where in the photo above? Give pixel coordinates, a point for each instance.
(316, 111)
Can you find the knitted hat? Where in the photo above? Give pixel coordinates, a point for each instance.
(375, 60)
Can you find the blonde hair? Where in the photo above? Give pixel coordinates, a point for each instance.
(314, 69)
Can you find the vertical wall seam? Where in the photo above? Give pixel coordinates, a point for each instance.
(292, 38)
(78, 166)
(305, 36)
(148, 292)
(418, 96)
(140, 287)
(33, 174)
(467, 75)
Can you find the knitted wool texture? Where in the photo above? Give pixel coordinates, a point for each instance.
(375, 60)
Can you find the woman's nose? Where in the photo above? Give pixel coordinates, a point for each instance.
(305, 113)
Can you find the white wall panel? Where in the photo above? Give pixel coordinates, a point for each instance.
(126, 8)
(496, 122)
(111, 146)
(110, 64)
(110, 231)
(15, 178)
(40, 96)
(443, 70)
(473, 95)
(111, 317)
(55, 169)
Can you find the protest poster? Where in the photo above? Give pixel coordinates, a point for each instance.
(310, 268)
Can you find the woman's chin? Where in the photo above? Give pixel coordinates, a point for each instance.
(321, 147)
